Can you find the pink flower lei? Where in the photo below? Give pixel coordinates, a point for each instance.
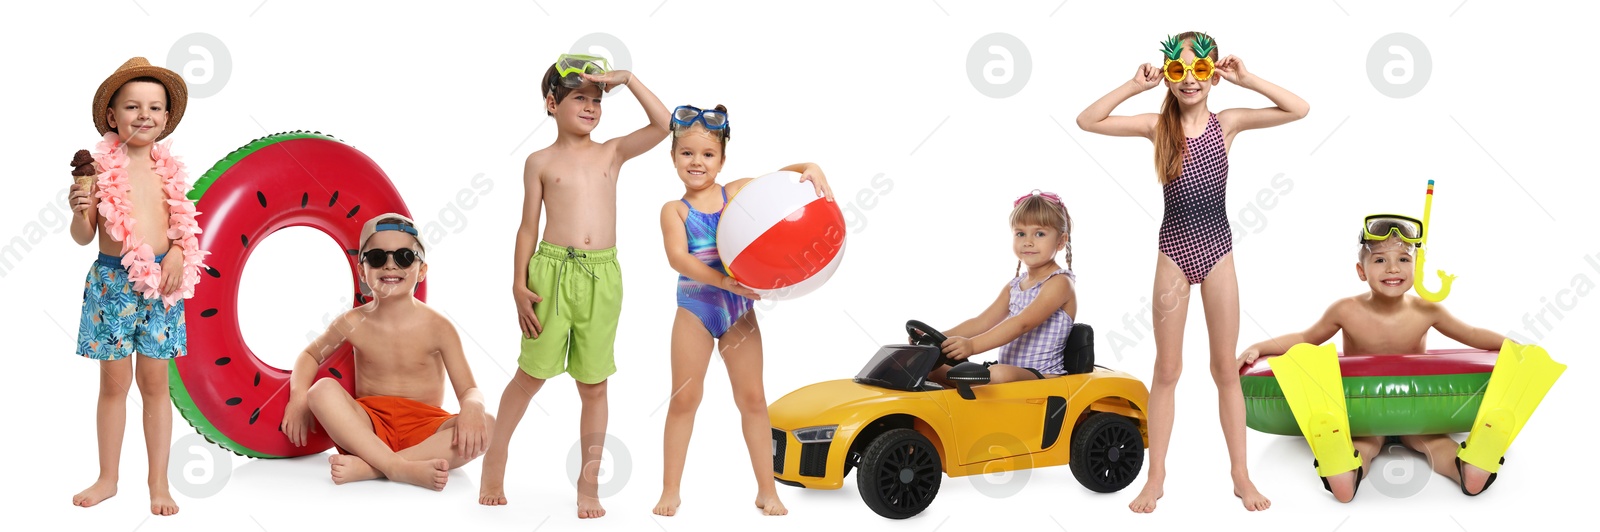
(137, 256)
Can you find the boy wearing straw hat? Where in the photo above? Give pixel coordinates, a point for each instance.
(150, 260)
(569, 293)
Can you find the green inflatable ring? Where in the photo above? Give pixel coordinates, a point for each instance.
(1387, 395)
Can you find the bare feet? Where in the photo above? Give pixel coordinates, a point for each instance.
(493, 489)
(1146, 501)
(1473, 478)
(589, 507)
(161, 502)
(1343, 485)
(492, 494)
(770, 505)
(1253, 500)
(102, 489)
(431, 474)
(668, 505)
(350, 468)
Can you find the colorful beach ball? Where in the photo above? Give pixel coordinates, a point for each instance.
(778, 237)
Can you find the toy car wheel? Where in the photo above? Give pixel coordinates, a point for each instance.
(1107, 452)
(900, 474)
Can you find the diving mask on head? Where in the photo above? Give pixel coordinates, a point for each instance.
(570, 67)
(1381, 227)
(1378, 227)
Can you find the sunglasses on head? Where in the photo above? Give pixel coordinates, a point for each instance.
(1176, 69)
(403, 257)
(686, 115)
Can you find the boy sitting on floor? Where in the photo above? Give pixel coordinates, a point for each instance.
(393, 426)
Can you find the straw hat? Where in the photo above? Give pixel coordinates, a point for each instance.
(138, 67)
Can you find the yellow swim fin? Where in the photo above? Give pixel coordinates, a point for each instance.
(1311, 383)
(1521, 377)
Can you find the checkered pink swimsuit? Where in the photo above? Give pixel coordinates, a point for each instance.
(1194, 223)
(1041, 347)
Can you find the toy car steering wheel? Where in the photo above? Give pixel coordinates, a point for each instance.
(922, 334)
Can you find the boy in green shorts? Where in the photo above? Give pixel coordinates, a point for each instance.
(569, 293)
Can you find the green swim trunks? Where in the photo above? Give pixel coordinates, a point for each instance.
(582, 291)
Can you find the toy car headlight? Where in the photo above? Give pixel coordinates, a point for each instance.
(821, 434)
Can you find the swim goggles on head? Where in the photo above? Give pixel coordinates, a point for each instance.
(686, 115)
(1386, 226)
(1048, 196)
(570, 67)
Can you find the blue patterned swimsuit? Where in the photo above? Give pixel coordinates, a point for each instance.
(717, 309)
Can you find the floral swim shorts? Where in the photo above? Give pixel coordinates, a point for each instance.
(118, 321)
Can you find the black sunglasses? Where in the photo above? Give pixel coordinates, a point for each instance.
(377, 258)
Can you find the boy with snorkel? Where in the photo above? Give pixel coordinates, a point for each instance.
(1388, 321)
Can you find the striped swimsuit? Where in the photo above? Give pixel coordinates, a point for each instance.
(1039, 349)
(1194, 223)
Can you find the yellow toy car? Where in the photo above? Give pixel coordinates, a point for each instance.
(904, 433)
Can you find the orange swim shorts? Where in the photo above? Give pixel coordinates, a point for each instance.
(402, 423)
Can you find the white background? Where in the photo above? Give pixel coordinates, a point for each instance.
(439, 93)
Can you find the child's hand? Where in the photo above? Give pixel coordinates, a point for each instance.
(1249, 356)
(611, 79)
(472, 432)
(738, 289)
(957, 347)
(1147, 77)
(525, 300)
(1232, 69)
(80, 199)
(813, 173)
(297, 421)
(172, 271)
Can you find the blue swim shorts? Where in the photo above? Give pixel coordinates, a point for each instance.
(118, 321)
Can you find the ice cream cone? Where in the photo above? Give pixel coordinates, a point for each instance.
(85, 182)
(83, 173)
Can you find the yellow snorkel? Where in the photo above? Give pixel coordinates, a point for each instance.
(1422, 254)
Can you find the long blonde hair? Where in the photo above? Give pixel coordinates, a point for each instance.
(1169, 141)
(1041, 210)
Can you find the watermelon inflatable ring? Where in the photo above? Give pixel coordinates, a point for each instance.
(285, 180)
(1437, 392)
